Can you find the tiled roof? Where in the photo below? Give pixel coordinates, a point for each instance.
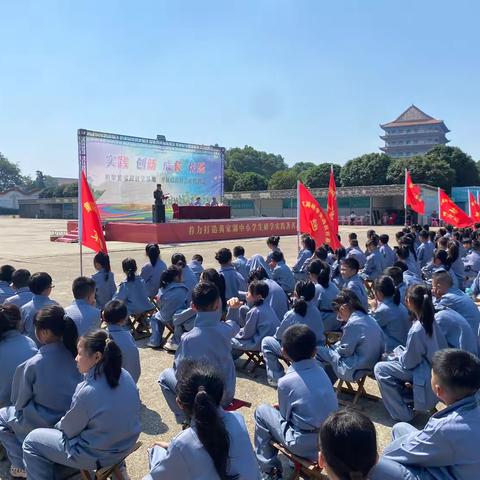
(412, 116)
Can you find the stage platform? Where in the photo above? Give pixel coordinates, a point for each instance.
(184, 231)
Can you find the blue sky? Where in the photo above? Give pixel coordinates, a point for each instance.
(308, 79)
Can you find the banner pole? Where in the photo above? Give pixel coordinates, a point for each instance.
(405, 197)
(298, 215)
(439, 209)
(81, 153)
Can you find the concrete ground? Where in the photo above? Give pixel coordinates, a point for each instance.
(25, 244)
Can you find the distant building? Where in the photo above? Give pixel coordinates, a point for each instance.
(9, 199)
(413, 133)
(65, 180)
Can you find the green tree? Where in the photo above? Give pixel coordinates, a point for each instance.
(302, 167)
(229, 177)
(466, 172)
(435, 172)
(369, 169)
(318, 176)
(283, 180)
(39, 181)
(10, 175)
(247, 159)
(249, 181)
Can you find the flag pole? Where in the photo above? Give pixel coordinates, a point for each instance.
(405, 197)
(298, 215)
(81, 146)
(439, 208)
(469, 206)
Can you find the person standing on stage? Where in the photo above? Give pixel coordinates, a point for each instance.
(158, 195)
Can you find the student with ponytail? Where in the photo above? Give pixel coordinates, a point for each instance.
(304, 256)
(133, 290)
(103, 422)
(216, 446)
(281, 272)
(412, 363)
(304, 312)
(272, 244)
(153, 269)
(390, 314)
(439, 263)
(43, 386)
(104, 279)
(456, 264)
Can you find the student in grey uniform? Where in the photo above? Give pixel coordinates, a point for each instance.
(336, 275)
(447, 447)
(115, 315)
(396, 274)
(272, 244)
(103, 422)
(210, 338)
(133, 290)
(6, 272)
(348, 445)
(281, 272)
(304, 255)
(412, 363)
(440, 263)
(390, 314)
(456, 263)
(41, 286)
(361, 345)
(23, 295)
(15, 348)
(188, 277)
(172, 297)
(425, 250)
(471, 263)
(388, 254)
(374, 264)
(304, 312)
(196, 265)
(256, 322)
(234, 281)
(356, 253)
(83, 311)
(406, 254)
(447, 295)
(325, 292)
(257, 261)
(216, 445)
(305, 399)
(240, 262)
(352, 281)
(153, 269)
(43, 385)
(104, 279)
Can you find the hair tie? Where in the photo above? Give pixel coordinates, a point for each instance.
(201, 388)
(425, 296)
(107, 341)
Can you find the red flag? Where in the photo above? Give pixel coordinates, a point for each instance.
(474, 209)
(332, 205)
(413, 195)
(313, 220)
(452, 213)
(92, 232)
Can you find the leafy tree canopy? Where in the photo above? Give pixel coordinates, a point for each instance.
(318, 176)
(369, 169)
(10, 175)
(249, 181)
(247, 159)
(283, 180)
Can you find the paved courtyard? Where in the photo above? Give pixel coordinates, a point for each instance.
(25, 244)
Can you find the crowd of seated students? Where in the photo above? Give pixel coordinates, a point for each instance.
(405, 315)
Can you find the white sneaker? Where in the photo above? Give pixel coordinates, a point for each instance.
(171, 346)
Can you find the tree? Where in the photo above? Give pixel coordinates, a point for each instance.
(248, 159)
(369, 169)
(318, 176)
(301, 167)
(283, 180)
(39, 181)
(249, 181)
(466, 172)
(229, 177)
(435, 172)
(10, 175)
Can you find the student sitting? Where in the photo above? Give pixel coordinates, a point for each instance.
(188, 277)
(133, 290)
(456, 264)
(337, 279)
(104, 279)
(406, 253)
(325, 292)
(216, 445)
(386, 251)
(43, 386)
(348, 446)
(272, 244)
(257, 322)
(240, 262)
(41, 286)
(83, 311)
(172, 297)
(439, 263)
(352, 281)
(281, 272)
(153, 269)
(115, 315)
(6, 291)
(23, 295)
(447, 295)
(471, 263)
(304, 255)
(374, 264)
(396, 274)
(15, 348)
(196, 265)
(305, 399)
(356, 253)
(257, 261)
(304, 312)
(425, 250)
(390, 314)
(103, 422)
(447, 447)
(412, 363)
(209, 338)
(361, 345)
(234, 282)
